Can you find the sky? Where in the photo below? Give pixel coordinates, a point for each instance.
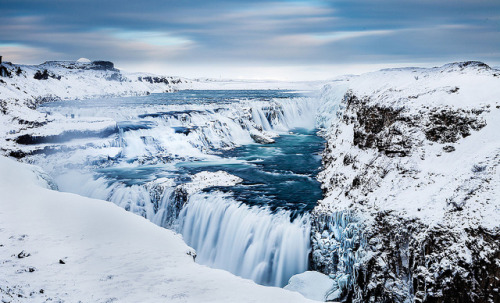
(286, 40)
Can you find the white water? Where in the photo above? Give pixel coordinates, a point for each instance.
(248, 241)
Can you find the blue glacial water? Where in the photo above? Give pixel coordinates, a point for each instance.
(278, 175)
(183, 97)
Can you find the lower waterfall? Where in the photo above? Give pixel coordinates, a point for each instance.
(248, 241)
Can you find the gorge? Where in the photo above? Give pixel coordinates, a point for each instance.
(357, 181)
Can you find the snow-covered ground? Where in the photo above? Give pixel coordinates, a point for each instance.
(210, 84)
(62, 247)
(78, 80)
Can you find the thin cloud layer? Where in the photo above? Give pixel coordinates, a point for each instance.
(176, 34)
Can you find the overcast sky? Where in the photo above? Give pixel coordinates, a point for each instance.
(252, 39)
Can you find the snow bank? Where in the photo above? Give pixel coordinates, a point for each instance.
(63, 247)
(311, 284)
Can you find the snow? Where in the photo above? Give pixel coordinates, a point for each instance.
(108, 254)
(206, 179)
(311, 284)
(412, 160)
(260, 137)
(104, 255)
(225, 84)
(77, 80)
(435, 175)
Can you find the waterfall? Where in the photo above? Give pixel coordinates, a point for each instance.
(136, 169)
(248, 241)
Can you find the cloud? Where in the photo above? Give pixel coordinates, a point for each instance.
(226, 33)
(24, 54)
(152, 38)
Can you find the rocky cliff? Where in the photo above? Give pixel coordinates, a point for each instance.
(412, 185)
(55, 80)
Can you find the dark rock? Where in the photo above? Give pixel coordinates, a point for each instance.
(155, 80)
(4, 72)
(23, 254)
(449, 126)
(377, 127)
(478, 65)
(117, 77)
(61, 261)
(17, 154)
(449, 148)
(41, 75)
(102, 65)
(184, 130)
(45, 75)
(177, 114)
(65, 136)
(478, 168)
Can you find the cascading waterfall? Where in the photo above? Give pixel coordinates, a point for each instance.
(251, 242)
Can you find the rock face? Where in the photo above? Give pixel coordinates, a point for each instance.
(412, 184)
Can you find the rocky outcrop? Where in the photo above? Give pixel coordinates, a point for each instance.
(261, 137)
(411, 181)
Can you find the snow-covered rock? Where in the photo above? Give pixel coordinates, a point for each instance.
(83, 60)
(412, 181)
(206, 179)
(62, 247)
(312, 284)
(261, 137)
